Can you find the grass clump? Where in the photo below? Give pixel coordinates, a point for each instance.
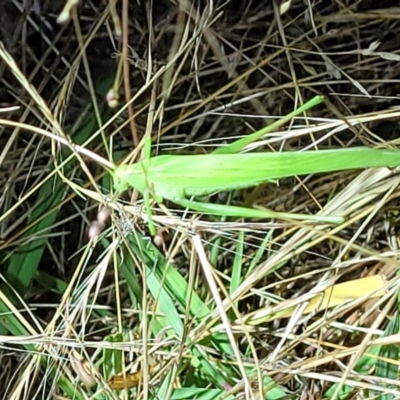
(211, 307)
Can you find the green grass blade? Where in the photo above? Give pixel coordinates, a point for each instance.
(236, 275)
(165, 304)
(24, 262)
(238, 145)
(363, 367)
(112, 358)
(390, 352)
(260, 251)
(199, 394)
(172, 292)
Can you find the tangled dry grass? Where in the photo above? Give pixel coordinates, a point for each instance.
(209, 308)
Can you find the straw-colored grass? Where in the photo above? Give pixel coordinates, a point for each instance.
(91, 307)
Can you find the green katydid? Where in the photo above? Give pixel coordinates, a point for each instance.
(179, 177)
